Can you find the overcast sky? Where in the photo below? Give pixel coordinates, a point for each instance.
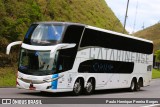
(148, 13)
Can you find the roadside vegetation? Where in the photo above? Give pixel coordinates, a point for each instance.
(8, 76)
(155, 73)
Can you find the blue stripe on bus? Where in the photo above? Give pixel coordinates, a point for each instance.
(54, 83)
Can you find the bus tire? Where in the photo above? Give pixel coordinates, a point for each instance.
(77, 88)
(133, 85)
(89, 88)
(139, 84)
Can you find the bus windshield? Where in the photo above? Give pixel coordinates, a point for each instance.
(37, 62)
(44, 34)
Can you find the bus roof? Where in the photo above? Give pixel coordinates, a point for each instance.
(95, 28)
(63, 23)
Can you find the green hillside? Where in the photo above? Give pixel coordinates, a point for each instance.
(151, 33)
(17, 15)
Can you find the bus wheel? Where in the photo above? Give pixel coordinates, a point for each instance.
(89, 87)
(139, 84)
(133, 85)
(77, 88)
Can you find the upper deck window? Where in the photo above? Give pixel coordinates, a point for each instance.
(44, 34)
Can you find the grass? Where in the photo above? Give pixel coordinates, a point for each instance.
(91, 12)
(8, 77)
(155, 73)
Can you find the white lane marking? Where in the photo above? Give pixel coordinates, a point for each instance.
(154, 105)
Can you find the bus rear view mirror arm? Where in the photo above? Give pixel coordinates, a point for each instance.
(12, 44)
(61, 46)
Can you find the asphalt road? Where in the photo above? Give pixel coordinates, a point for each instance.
(152, 91)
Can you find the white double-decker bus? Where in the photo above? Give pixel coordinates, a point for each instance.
(63, 56)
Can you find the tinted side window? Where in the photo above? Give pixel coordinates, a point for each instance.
(105, 66)
(107, 40)
(67, 56)
(73, 34)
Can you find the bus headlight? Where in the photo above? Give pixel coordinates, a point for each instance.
(47, 80)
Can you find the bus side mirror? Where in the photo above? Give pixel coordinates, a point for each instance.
(12, 44)
(60, 46)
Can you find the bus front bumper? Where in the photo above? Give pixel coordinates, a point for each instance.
(47, 87)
